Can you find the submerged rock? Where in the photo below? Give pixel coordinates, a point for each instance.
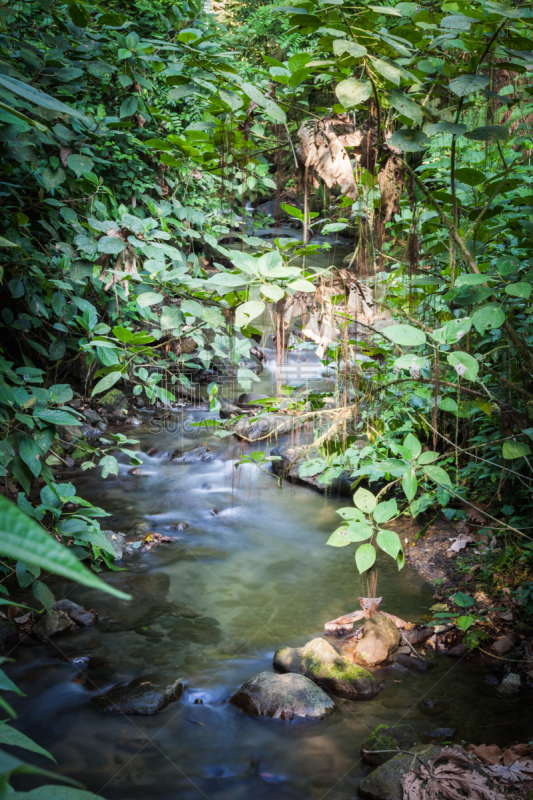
(202, 453)
(288, 467)
(117, 542)
(386, 737)
(411, 662)
(266, 426)
(139, 697)
(52, 624)
(380, 639)
(510, 684)
(384, 783)
(287, 697)
(77, 613)
(320, 662)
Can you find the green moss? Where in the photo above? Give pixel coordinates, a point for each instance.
(387, 737)
(114, 397)
(339, 669)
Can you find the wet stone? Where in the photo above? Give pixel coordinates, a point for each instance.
(380, 639)
(386, 737)
(320, 662)
(413, 663)
(202, 453)
(286, 697)
(442, 733)
(77, 613)
(139, 697)
(384, 783)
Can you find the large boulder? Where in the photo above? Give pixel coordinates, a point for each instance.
(384, 783)
(380, 639)
(320, 662)
(139, 697)
(287, 697)
(387, 737)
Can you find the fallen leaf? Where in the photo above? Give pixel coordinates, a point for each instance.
(519, 770)
(449, 775)
(490, 754)
(460, 542)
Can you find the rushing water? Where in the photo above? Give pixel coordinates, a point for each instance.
(253, 562)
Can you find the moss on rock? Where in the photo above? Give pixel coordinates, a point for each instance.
(386, 737)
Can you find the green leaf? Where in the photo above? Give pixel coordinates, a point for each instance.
(472, 177)
(39, 98)
(413, 445)
(57, 417)
(269, 106)
(465, 622)
(385, 511)
(358, 531)
(313, 467)
(341, 46)
(231, 99)
(248, 311)
(520, 289)
(106, 382)
(364, 500)
(438, 475)
(43, 594)
(338, 538)
(272, 292)
(80, 164)
(351, 514)
(389, 541)
(409, 141)
(444, 128)
(409, 484)
(513, 449)
(427, 458)
(178, 92)
(405, 335)
(302, 285)
(466, 84)
(112, 245)
(351, 92)
(464, 364)
(31, 454)
(365, 556)
(109, 466)
(388, 71)
(23, 539)
(448, 404)
(489, 133)
(12, 738)
(128, 106)
(463, 600)
(52, 178)
(488, 316)
(405, 105)
(149, 299)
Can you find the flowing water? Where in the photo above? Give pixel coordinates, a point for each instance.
(254, 564)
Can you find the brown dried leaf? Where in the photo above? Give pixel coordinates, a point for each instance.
(519, 770)
(449, 775)
(490, 754)
(322, 149)
(460, 542)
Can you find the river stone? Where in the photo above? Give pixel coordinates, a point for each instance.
(320, 662)
(266, 426)
(52, 624)
(117, 542)
(77, 613)
(287, 697)
(384, 783)
(113, 399)
(386, 737)
(411, 662)
(202, 453)
(139, 697)
(380, 639)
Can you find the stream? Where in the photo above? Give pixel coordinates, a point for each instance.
(253, 564)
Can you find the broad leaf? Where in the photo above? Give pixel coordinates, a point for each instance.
(106, 382)
(513, 449)
(464, 364)
(385, 511)
(389, 542)
(365, 557)
(351, 92)
(466, 84)
(364, 500)
(405, 335)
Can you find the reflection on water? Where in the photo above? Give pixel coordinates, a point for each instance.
(250, 573)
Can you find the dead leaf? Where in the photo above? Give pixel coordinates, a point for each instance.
(490, 754)
(322, 149)
(449, 775)
(460, 542)
(519, 770)
(64, 153)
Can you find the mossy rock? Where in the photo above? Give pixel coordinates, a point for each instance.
(385, 782)
(113, 399)
(320, 662)
(387, 737)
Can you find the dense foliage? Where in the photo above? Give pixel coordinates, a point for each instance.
(135, 141)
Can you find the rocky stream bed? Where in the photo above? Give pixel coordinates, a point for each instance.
(217, 679)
